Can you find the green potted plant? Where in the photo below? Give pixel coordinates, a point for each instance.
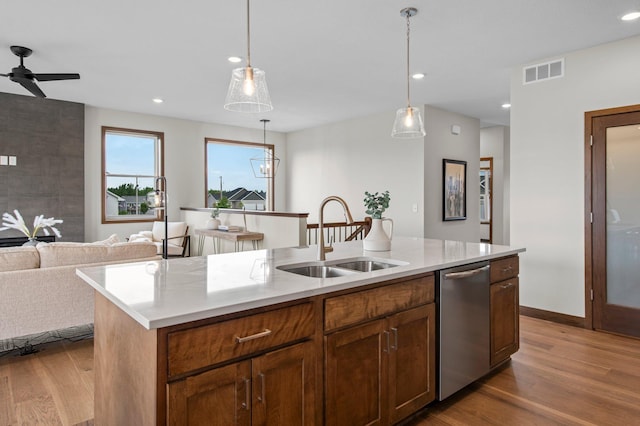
(377, 239)
(214, 222)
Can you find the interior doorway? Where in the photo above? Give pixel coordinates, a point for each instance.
(486, 199)
(613, 220)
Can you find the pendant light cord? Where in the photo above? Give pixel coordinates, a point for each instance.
(248, 37)
(408, 31)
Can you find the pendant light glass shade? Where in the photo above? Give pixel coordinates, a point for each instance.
(408, 123)
(248, 90)
(266, 166)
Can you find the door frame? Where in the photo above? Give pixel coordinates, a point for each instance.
(490, 160)
(588, 199)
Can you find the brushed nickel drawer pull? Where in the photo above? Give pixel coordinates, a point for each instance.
(506, 285)
(387, 347)
(264, 333)
(247, 402)
(395, 338)
(507, 269)
(261, 395)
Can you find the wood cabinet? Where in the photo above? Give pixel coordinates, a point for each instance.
(272, 388)
(505, 309)
(351, 357)
(276, 388)
(379, 371)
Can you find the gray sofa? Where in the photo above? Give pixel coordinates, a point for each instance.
(39, 288)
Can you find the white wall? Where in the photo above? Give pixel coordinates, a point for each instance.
(494, 142)
(353, 156)
(349, 158)
(547, 167)
(184, 162)
(442, 144)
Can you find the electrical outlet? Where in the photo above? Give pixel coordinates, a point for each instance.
(13, 160)
(4, 160)
(414, 208)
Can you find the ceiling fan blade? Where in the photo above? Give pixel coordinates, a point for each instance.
(32, 87)
(4, 75)
(51, 77)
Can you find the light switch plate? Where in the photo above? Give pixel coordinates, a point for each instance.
(13, 160)
(4, 160)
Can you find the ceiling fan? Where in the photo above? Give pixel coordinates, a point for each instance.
(25, 77)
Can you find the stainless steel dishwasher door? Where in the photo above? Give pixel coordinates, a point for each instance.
(463, 298)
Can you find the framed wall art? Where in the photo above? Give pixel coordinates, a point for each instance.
(454, 190)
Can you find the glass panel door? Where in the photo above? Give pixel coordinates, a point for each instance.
(615, 227)
(623, 215)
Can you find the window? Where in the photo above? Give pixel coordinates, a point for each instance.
(230, 181)
(131, 160)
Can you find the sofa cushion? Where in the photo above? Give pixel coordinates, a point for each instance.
(62, 253)
(18, 258)
(113, 238)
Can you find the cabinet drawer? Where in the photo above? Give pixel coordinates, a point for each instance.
(211, 344)
(503, 269)
(356, 307)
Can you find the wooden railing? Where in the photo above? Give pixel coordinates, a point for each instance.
(339, 231)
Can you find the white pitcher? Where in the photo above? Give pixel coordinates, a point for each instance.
(377, 239)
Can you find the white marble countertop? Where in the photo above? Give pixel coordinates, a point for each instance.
(168, 292)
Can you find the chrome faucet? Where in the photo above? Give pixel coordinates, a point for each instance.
(322, 249)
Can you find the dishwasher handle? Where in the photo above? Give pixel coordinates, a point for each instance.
(465, 274)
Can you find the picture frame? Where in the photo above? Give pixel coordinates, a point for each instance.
(454, 190)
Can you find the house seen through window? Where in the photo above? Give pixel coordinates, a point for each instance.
(132, 159)
(237, 175)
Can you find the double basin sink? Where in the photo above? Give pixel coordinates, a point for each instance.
(340, 267)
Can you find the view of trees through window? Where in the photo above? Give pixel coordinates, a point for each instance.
(231, 180)
(132, 160)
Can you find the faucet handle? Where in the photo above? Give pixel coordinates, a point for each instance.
(329, 248)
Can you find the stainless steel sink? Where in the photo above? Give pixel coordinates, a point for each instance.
(318, 271)
(340, 267)
(366, 265)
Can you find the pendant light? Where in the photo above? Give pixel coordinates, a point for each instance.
(408, 122)
(248, 90)
(267, 165)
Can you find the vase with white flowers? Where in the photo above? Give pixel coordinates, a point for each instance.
(16, 222)
(377, 239)
(214, 222)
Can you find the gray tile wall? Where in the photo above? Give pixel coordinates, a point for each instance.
(47, 136)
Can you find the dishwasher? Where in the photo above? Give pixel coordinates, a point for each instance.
(463, 298)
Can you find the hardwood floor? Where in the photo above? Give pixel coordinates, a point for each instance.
(51, 387)
(561, 375)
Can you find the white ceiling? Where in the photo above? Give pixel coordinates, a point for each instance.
(325, 60)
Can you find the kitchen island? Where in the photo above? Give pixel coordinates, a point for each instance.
(233, 339)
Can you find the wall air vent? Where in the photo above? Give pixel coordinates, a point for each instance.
(542, 72)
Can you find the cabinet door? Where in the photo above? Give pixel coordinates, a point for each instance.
(505, 321)
(412, 375)
(284, 386)
(217, 397)
(355, 386)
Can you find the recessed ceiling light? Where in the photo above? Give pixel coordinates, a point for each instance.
(234, 59)
(158, 100)
(418, 76)
(631, 16)
(506, 105)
